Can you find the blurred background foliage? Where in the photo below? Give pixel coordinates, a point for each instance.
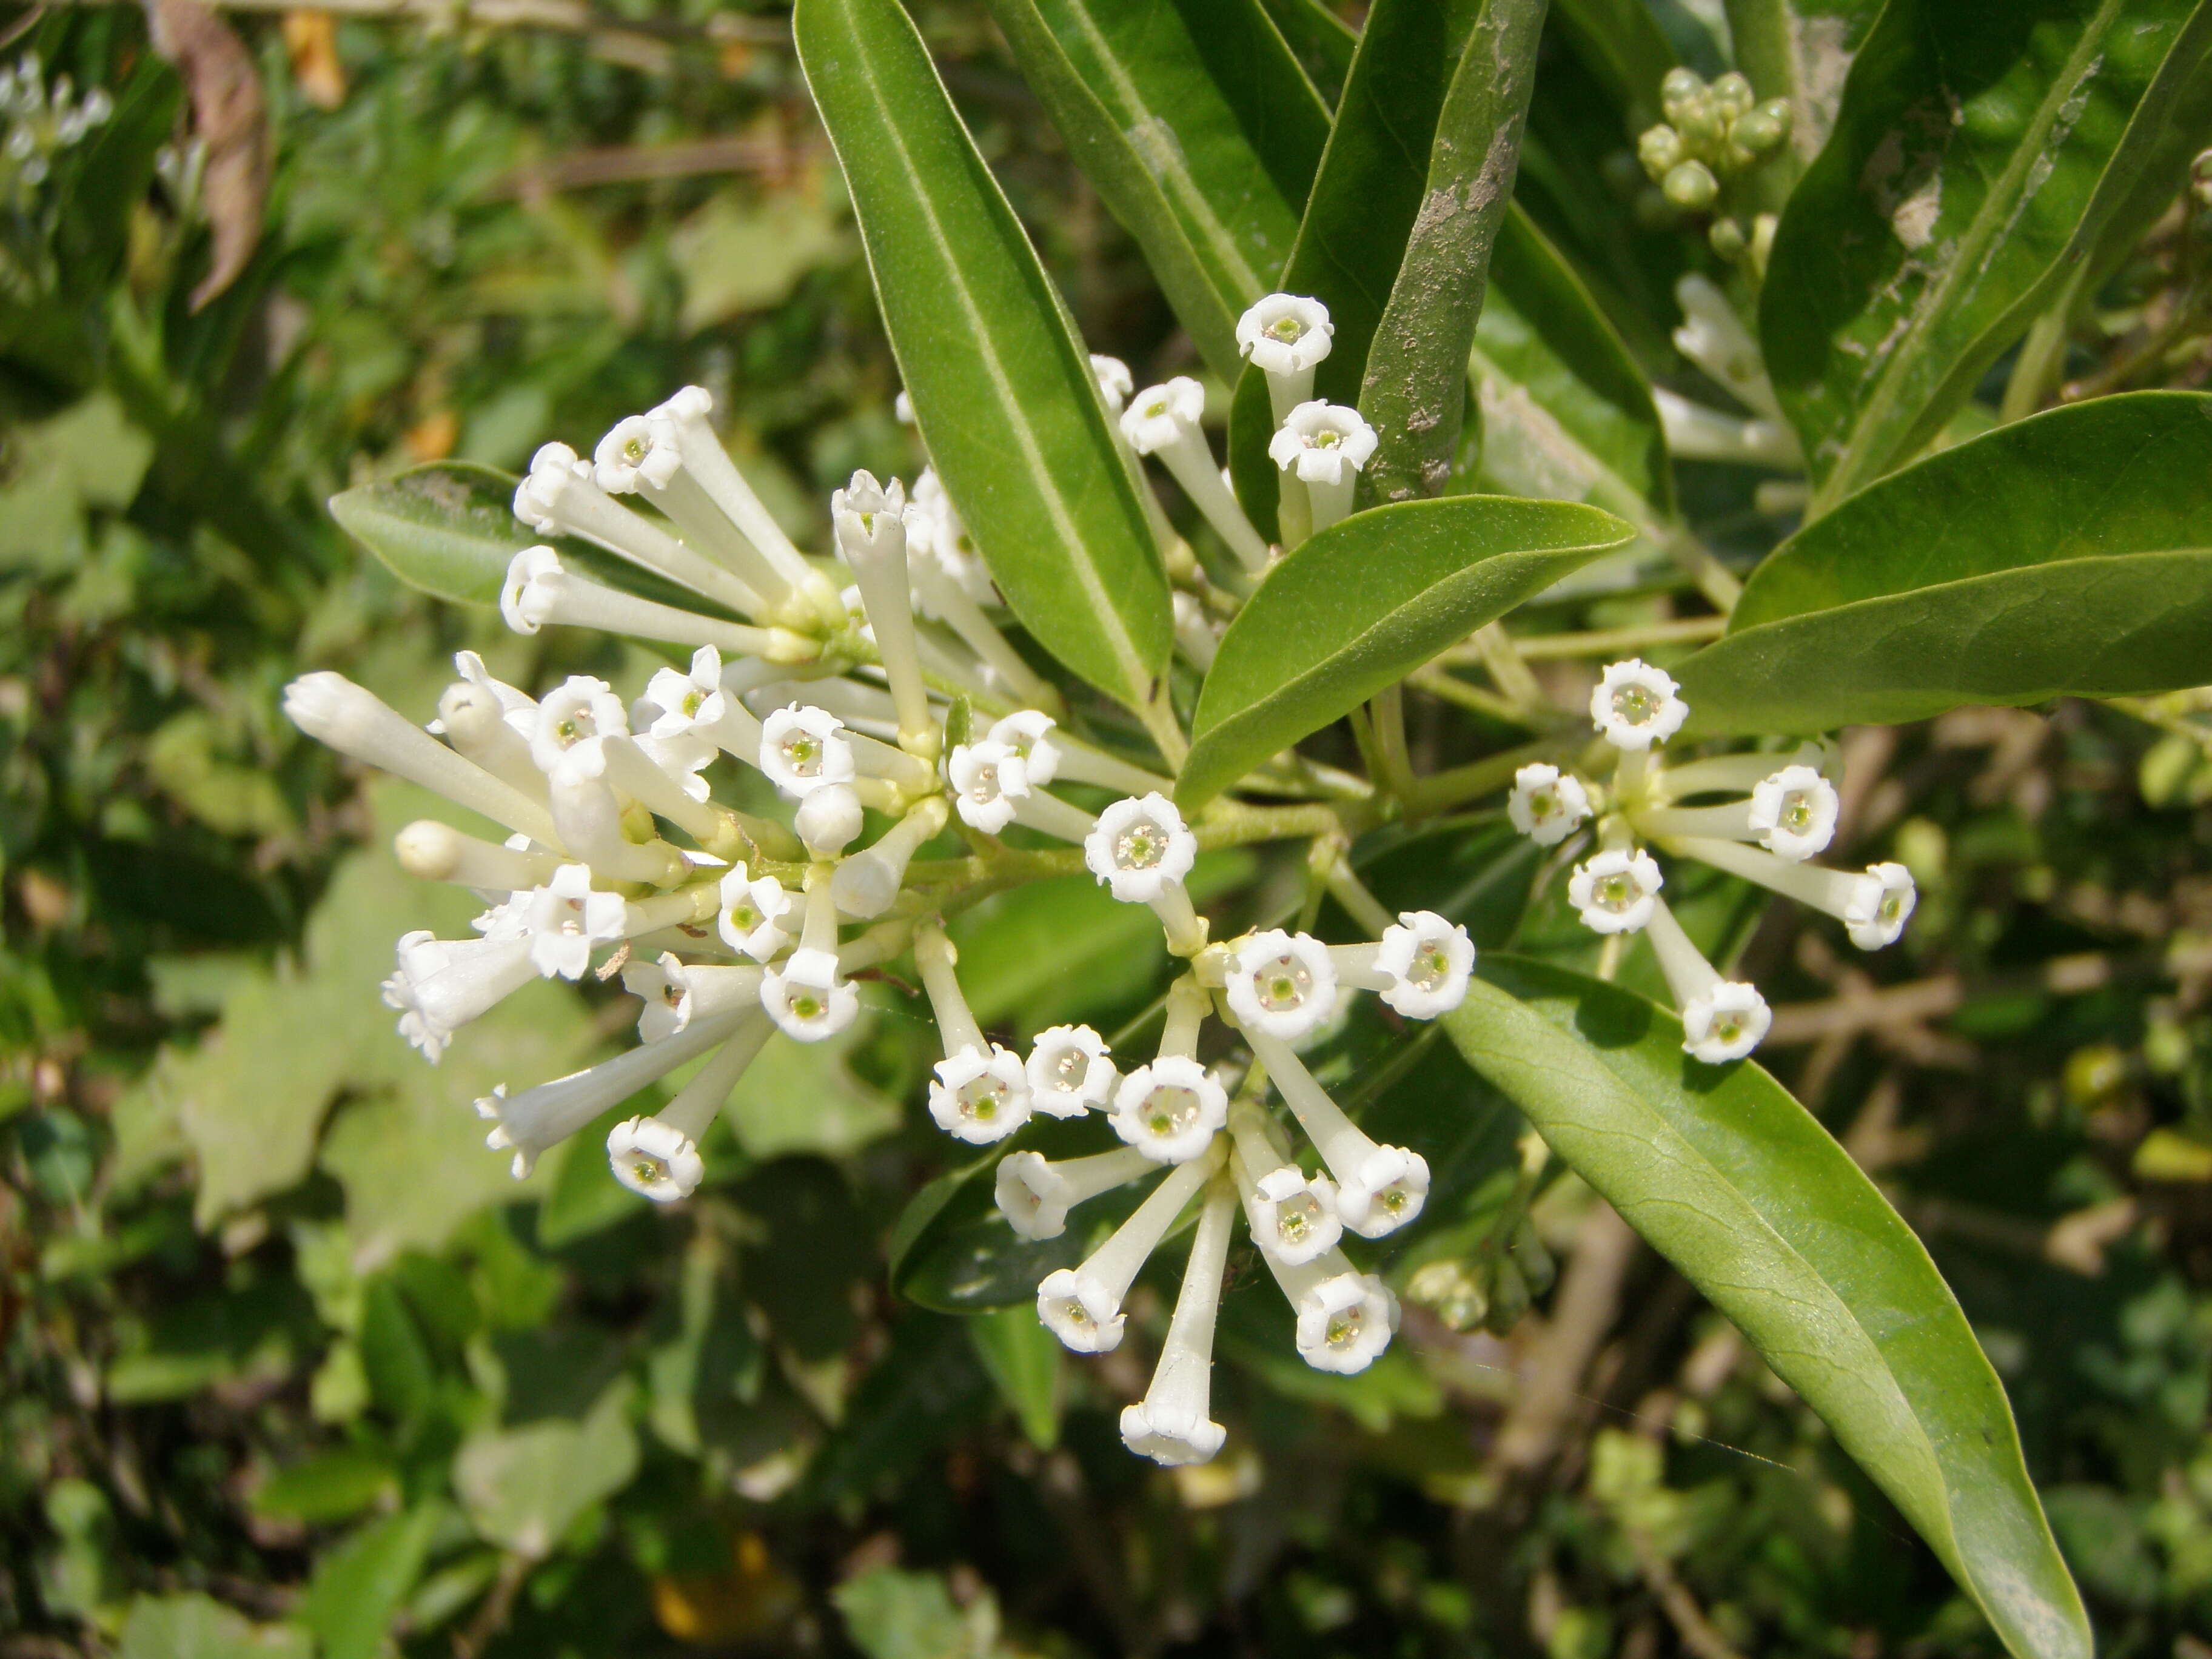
(292, 1368)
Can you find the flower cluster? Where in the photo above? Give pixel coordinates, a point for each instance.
(1779, 811)
(1713, 134)
(37, 122)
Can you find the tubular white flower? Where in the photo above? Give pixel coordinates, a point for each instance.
(1082, 1305)
(641, 454)
(695, 706)
(988, 780)
(936, 532)
(654, 1160)
(1194, 630)
(980, 1096)
(568, 921)
(635, 774)
(590, 821)
(699, 1101)
(1378, 1189)
(333, 710)
(872, 531)
(1634, 706)
(1616, 891)
(559, 497)
(437, 852)
(1163, 421)
(1282, 984)
(758, 915)
(829, 820)
(1713, 337)
(1740, 773)
(676, 993)
(1429, 960)
(1170, 1109)
(867, 883)
(1035, 1195)
(1141, 850)
(862, 708)
(539, 590)
(1029, 733)
(1293, 1215)
(443, 984)
(581, 709)
(1327, 445)
(1172, 1424)
(628, 458)
(481, 727)
(544, 1116)
(944, 599)
(936, 957)
(1874, 905)
(806, 996)
(1546, 804)
(1794, 813)
(803, 748)
(1115, 383)
(1285, 336)
(1725, 1023)
(1071, 1071)
(1345, 1321)
(1695, 433)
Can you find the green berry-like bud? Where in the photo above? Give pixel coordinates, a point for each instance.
(1660, 150)
(1727, 239)
(1757, 132)
(1691, 187)
(1779, 111)
(1680, 87)
(1733, 94)
(1703, 127)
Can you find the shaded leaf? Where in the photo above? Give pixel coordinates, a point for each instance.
(360, 1585)
(1364, 603)
(1001, 386)
(196, 1626)
(523, 1488)
(893, 1614)
(1731, 1180)
(1322, 41)
(1798, 50)
(2066, 554)
(1625, 47)
(1025, 1360)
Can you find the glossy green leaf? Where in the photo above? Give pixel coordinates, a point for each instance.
(1732, 1182)
(1566, 413)
(1978, 154)
(2066, 554)
(1200, 130)
(1025, 1361)
(1364, 200)
(1415, 390)
(1322, 41)
(1002, 385)
(1363, 604)
(1799, 51)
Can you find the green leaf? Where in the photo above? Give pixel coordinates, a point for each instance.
(1200, 130)
(1364, 604)
(1366, 199)
(2069, 554)
(1978, 154)
(1626, 49)
(1322, 41)
(330, 1485)
(523, 1488)
(1567, 415)
(1415, 390)
(1798, 50)
(1733, 1183)
(196, 1626)
(359, 1585)
(448, 529)
(894, 1614)
(1025, 1359)
(1001, 386)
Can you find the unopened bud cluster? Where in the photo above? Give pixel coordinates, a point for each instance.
(1712, 134)
(39, 121)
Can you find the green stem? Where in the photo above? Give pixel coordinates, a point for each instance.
(1478, 778)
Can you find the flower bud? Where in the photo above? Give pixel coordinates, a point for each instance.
(1691, 187)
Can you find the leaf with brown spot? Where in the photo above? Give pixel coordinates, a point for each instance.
(230, 117)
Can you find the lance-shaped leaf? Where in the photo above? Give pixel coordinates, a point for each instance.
(2069, 554)
(1978, 154)
(1364, 203)
(1200, 130)
(1364, 604)
(1625, 47)
(1798, 50)
(1415, 390)
(1566, 413)
(1001, 386)
(1322, 41)
(1736, 1184)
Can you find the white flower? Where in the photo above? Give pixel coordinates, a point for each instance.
(635, 450)
(1880, 903)
(988, 780)
(1293, 1215)
(1028, 733)
(531, 594)
(807, 998)
(1171, 1433)
(753, 912)
(1170, 1109)
(1070, 1072)
(1634, 706)
(1429, 960)
(828, 819)
(1084, 1313)
(1138, 845)
(581, 709)
(1161, 416)
(443, 984)
(1284, 333)
(801, 749)
(1795, 812)
(1115, 383)
(870, 518)
(538, 497)
(1344, 1323)
(1323, 441)
(1724, 1023)
(1035, 1195)
(980, 1097)
(688, 701)
(662, 993)
(568, 920)
(654, 1159)
(935, 530)
(1172, 1424)
(1282, 984)
(1614, 890)
(1384, 1193)
(1546, 804)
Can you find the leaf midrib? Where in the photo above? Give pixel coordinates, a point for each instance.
(2008, 571)
(1135, 673)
